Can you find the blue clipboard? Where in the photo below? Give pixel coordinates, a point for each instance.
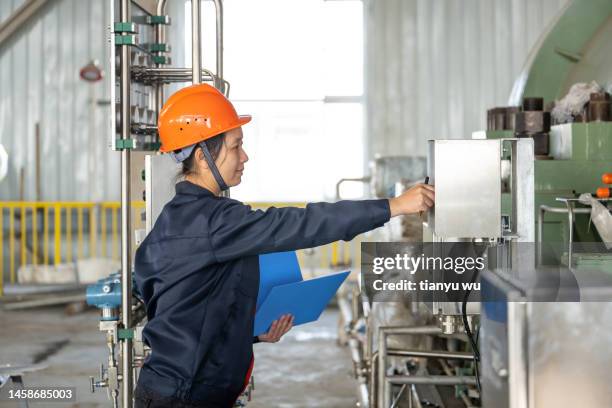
(282, 290)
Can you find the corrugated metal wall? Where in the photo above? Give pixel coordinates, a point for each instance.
(435, 66)
(39, 73)
(40, 83)
(7, 7)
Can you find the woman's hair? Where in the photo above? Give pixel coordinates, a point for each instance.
(214, 145)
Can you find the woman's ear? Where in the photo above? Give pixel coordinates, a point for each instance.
(201, 159)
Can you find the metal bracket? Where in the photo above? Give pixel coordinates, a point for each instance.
(160, 59)
(155, 20)
(125, 334)
(124, 27)
(158, 47)
(121, 144)
(127, 39)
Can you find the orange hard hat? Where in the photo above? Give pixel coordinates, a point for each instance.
(194, 114)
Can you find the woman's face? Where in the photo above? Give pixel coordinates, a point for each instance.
(232, 158)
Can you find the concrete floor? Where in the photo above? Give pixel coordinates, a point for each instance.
(305, 369)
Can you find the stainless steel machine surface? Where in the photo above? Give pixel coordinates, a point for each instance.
(467, 176)
(546, 353)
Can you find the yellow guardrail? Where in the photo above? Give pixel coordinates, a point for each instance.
(91, 229)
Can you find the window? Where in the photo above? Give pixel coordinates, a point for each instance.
(297, 67)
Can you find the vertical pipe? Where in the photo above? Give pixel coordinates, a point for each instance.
(196, 46)
(160, 37)
(37, 160)
(219, 33)
(383, 386)
(126, 272)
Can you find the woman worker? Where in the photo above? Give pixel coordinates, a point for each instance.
(198, 268)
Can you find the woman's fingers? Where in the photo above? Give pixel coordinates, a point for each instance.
(277, 329)
(417, 199)
(284, 325)
(429, 193)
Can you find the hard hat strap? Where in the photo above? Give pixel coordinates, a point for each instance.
(213, 167)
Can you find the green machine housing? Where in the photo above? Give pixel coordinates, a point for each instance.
(575, 48)
(580, 154)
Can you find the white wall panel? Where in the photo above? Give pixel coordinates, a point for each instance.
(433, 67)
(40, 83)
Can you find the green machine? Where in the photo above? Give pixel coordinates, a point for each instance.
(581, 153)
(570, 157)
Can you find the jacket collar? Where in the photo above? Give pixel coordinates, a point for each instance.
(188, 188)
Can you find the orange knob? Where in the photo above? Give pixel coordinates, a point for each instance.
(603, 192)
(606, 178)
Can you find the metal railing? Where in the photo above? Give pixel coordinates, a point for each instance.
(51, 233)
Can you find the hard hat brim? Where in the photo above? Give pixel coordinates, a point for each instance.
(242, 120)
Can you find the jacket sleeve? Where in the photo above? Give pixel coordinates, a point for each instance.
(237, 231)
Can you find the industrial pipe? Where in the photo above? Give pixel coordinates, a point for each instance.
(219, 43)
(126, 271)
(449, 355)
(196, 43)
(365, 179)
(384, 386)
(353, 343)
(160, 37)
(431, 379)
(415, 399)
(163, 72)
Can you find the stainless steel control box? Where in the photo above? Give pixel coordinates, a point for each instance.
(467, 177)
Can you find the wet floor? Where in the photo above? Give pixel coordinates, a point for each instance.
(305, 369)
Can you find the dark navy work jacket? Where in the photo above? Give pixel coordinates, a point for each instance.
(198, 272)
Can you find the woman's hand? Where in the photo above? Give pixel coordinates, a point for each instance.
(277, 330)
(419, 198)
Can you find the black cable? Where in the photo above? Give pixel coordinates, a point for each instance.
(468, 331)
